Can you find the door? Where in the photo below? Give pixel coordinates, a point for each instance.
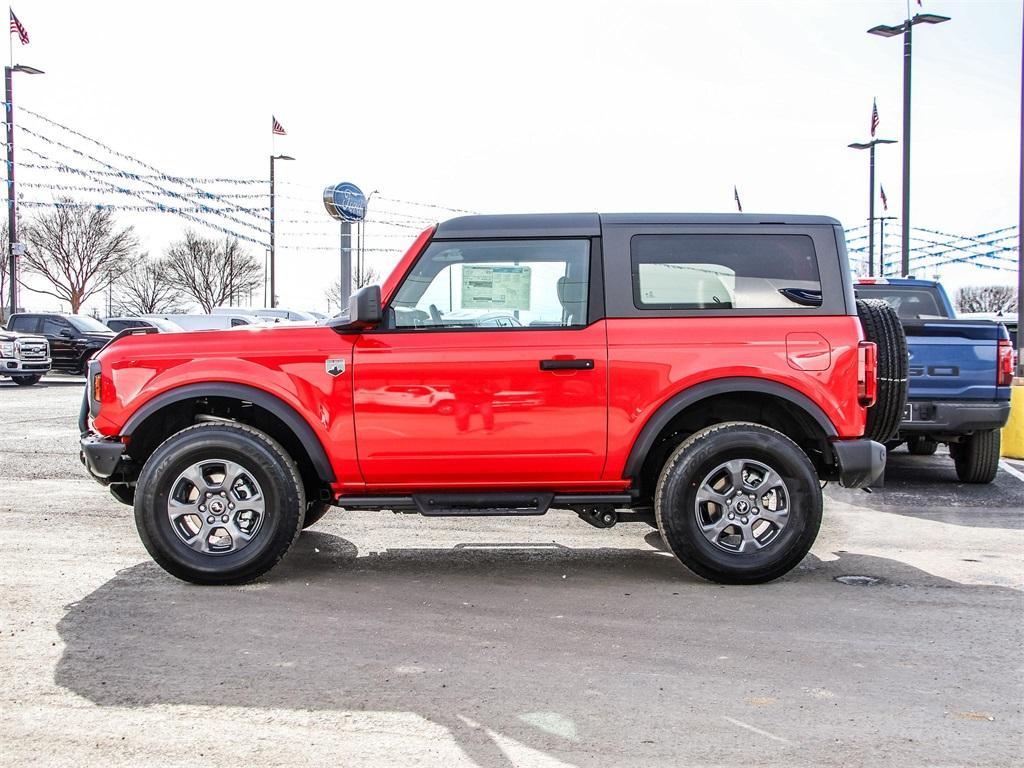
(61, 336)
(487, 371)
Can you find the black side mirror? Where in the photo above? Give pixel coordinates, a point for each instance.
(66, 333)
(364, 310)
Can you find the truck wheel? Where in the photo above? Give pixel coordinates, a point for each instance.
(738, 503)
(219, 503)
(977, 457)
(922, 446)
(26, 381)
(314, 511)
(881, 325)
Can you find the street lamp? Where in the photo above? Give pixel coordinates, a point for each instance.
(871, 197)
(12, 211)
(881, 243)
(273, 285)
(905, 29)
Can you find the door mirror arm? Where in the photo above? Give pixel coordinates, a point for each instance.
(364, 311)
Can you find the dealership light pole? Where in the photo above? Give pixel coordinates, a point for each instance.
(905, 29)
(12, 210)
(273, 285)
(870, 145)
(881, 243)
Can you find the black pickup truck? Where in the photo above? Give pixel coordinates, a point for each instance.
(73, 338)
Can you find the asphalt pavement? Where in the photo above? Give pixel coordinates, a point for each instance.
(389, 639)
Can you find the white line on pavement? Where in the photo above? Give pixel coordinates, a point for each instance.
(1015, 472)
(749, 727)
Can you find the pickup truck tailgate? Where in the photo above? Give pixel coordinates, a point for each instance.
(952, 359)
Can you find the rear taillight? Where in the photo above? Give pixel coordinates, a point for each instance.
(867, 373)
(1004, 364)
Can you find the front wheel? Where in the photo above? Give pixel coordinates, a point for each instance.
(219, 503)
(922, 445)
(738, 503)
(976, 457)
(26, 381)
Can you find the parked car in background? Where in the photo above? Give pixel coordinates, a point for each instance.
(118, 324)
(23, 357)
(273, 314)
(220, 321)
(959, 376)
(73, 339)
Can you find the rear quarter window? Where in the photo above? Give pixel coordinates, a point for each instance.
(724, 271)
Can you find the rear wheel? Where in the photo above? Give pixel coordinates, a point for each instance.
(976, 457)
(922, 446)
(219, 503)
(26, 381)
(882, 325)
(738, 503)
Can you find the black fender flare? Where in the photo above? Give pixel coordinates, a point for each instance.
(275, 405)
(737, 384)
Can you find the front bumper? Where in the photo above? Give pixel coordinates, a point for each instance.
(18, 367)
(101, 455)
(922, 417)
(861, 462)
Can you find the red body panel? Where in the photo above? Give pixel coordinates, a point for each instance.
(468, 408)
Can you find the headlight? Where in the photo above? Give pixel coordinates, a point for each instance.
(7, 348)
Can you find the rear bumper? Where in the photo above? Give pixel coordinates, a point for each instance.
(101, 455)
(952, 417)
(861, 462)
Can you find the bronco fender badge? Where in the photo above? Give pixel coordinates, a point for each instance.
(335, 366)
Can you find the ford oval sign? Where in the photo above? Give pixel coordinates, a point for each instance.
(345, 202)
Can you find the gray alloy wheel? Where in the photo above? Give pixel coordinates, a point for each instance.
(219, 503)
(738, 503)
(216, 507)
(742, 505)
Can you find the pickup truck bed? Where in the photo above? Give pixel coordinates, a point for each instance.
(959, 375)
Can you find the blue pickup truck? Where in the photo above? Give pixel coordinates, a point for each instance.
(960, 373)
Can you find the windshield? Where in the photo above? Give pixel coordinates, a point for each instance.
(86, 324)
(910, 302)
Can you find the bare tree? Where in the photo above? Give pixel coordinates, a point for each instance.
(147, 288)
(75, 248)
(211, 271)
(986, 298)
(360, 279)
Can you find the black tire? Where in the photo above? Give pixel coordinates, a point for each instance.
(922, 445)
(882, 325)
(26, 381)
(676, 503)
(314, 511)
(976, 457)
(263, 459)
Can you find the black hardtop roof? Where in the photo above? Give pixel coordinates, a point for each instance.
(589, 224)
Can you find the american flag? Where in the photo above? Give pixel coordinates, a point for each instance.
(736, 194)
(277, 128)
(874, 117)
(17, 28)
(885, 200)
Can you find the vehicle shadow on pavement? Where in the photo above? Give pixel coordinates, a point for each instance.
(44, 384)
(926, 487)
(596, 657)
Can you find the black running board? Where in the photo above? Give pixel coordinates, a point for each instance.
(518, 503)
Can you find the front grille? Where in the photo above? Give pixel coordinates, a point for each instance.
(32, 350)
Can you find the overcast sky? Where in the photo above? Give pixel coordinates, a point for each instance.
(535, 106)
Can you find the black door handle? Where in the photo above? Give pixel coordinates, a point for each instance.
(566, 365)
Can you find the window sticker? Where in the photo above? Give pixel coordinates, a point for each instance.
(490, 287)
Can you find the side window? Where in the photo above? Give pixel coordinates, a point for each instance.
(765, 271)
(518, 284)
(25, 324)
(237, 321)
(52, 327)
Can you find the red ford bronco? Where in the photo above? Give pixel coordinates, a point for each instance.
(701, 373)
